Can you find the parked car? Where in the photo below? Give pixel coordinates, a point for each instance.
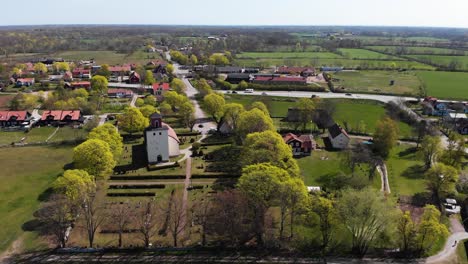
(451, 209)
(249, 91)
(234, 92)
(348, 94)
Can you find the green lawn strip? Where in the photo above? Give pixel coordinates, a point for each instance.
(461, 252)
(378, 82)
(449, 85)
(287, 55)
(35, 135)
(462, 61)
(28, 174)
(109, 57)
(417, 50)
(68, 134)
(319, 164)
(365, 54)
(404, 171)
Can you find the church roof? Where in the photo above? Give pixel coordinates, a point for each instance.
(171, 133)
(155, 115)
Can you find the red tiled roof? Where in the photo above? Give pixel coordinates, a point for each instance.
(290, 136)
(308, 141)
(80, 71)
(163, 86)
(7, 115)
(61, 114)
(74, 114)
(84, 83)
(3, 115)
(126, 68)
(23, 80)
(171, 133)
(115, 91)
(135, 74)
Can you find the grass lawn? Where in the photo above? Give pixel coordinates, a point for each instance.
(278, 106)
(378, 81)
(69, 133)
(462, 61)
(38, 134)
(365, 54)
(29, 173)
(461, 252)
(109, 57)
(318, 164)
(287, 55)
(404, 172)
(418, 50)
(450, 85)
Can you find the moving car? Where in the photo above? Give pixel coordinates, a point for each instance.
(249, 91)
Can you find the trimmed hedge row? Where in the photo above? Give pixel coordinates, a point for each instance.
(140, 186)
(145, 194)
(154, 168)
(216, 143)
(169, 177)
(286, 87)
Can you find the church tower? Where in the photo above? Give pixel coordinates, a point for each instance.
(157, 140)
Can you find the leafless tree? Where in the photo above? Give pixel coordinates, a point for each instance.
(146, 221)
(93, 215)
(177, 216)
(202, 213)
(120, 218)
(57, 217)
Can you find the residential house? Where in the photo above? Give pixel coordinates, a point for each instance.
(239, 77)
(82, 84)
(338, 137)
(14, 118)
(458, 121)
(61, 117)
(291, 80)
(68, 76)
(117, 71)
(302, 71)
(119, 93)
(431, 106)
(250, 70)
(158, 89)
(301, 145)
(134, 77)
(24, 82)
(81, 73)
(228, 69)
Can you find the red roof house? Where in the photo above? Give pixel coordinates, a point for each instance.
(300, 145)
(13, 118)
(160, 88)
(60, 117)
(119, 93)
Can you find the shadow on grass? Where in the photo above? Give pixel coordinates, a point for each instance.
(421, 199)
(225, 160)
(139, 160)
(45, 195)
(414, 172)
(407, 152)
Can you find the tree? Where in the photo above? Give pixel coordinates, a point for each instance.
(441, 180)
(99, 88)
(104, 71)
(150, 100)
(218, 59)
(165, 108)
(170, 68)
(95, 157)
(260, 184)
(177, 217)
(252, 121)
(132, 121)
(74, 184)
(139, 102)
(261, 106)
(292, 197)
(385, 136)
(232, 112)
(193, 59)
(149, 78)
(146, 221)
(120, 217)
(175, 99)
(421, 130)
(326, 213)
(214, 104)
(269, 147)
(455, 152)
(306, 108)
(203, 87)
(61, 66)
(109, 134)
(93, 215)
(187, 111)
(365, 214)
(57, 217)
(202, 213)
(178, 85)
(429, 229)
(431, 147)
(243, 85)
(406, 231)
(147, 110)
(40, 68)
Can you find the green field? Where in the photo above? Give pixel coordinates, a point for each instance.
(33, 136)
(418, 50)
(461, 61)
(27, 173)
(404, 172)
(449, 85)
(319, 164)
(109, 57)
(286, 55)
(365, 54)
(378, 82)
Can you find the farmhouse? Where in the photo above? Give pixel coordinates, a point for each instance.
(134, 77)
(68, 76)
(338, 137)
(61, 117)
(24, 82)
(82, 84)
(119, 93)
(14, 118)
(302, 71)
(158, 89)
(81, 73)
(301, 145)
(117, 71)
(280, 80)
(161, 141)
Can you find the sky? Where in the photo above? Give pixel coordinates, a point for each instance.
(432, 13)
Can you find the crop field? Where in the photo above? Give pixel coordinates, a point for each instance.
(448, 85)
(109, 57)
(378, 81)
(419, 50)
(365, 54)
(461, 61)
(287, 55)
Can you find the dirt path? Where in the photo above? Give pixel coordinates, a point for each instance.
(15, 248)
(188, 175)
(52, 135)
(382, 169)
(448, 253)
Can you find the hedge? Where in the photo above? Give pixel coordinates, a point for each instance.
(140, 186)
(145, 194)
(286, 87)
(154, 168)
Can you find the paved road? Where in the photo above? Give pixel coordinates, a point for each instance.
(126, 85)
(134, 98)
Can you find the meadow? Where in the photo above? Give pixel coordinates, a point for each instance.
(366, 54)
(418, 50)
(447, 85)
(109, 57)
(461, 61)
(27, 174)
(287, 55)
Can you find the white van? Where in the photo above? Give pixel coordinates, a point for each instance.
(249, 91)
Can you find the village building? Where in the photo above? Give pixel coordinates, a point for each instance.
(81, 73)
(14, 118)
(239, 77)
(61, 117)
(280, 80)
(158, 89)
(24, 82)
(161, 141)
(134, 77)
(338, 137)
(302, 71)
(301, 145)
(119, 93)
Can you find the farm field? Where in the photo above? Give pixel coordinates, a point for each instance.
(461, 61)
(418, 50)
(448, 85)
(378, 82)
(287, 55)
(24, 182)
(366, 54)
(109, 57)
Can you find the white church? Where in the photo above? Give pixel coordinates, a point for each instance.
(161, 141)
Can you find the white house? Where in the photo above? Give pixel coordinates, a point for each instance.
(339, 139)
(161, 141)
